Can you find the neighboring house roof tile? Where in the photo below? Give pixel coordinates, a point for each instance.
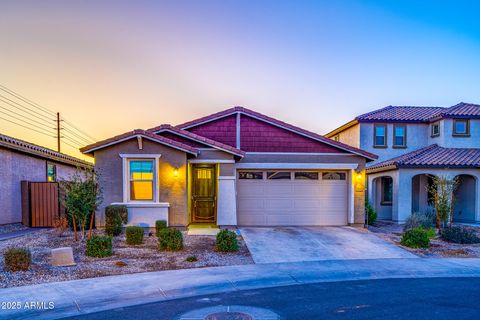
(139, 132)
(36, 150)
(432, 156)
(402, 113)
(198, 138)
(288, 126)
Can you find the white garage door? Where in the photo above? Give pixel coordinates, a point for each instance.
(292, 198)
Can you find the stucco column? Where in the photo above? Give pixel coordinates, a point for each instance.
(226, 201)
(403, 204)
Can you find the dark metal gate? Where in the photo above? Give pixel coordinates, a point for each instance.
(40, 203)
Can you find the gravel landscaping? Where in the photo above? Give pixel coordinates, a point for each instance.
(126, 258)
(392, 232)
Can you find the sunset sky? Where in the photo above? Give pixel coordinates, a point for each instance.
(113, 66)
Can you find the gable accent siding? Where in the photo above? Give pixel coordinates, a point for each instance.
(222, 130)
(183, 140)
(260, 136)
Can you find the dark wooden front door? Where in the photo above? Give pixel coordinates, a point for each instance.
(204, 191)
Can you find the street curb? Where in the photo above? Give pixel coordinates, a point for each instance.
(84, 296)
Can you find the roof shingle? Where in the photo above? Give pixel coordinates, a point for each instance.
(433, 156)
(402, 113)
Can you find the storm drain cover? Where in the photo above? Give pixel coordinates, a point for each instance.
(230, 313)
(229, 316)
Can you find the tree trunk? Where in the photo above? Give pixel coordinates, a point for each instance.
(74, 228)
(91, 225)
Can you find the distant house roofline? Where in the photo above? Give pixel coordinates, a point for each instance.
(22, 146)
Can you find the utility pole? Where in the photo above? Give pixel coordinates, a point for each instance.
(58, 131)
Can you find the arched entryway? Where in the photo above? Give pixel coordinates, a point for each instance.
(383, 197)
(465, 199)
(422, 198)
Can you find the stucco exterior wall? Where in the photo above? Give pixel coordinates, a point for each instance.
(171, 189)
(446, 139)
(417, 137)
(16, 167)
(351, 136)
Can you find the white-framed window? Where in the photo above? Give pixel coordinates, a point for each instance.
(435, 129)
(140, 178)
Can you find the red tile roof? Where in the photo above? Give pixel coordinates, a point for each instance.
(198, 138)
(432, 156)
(279, 123)
(402, 113)
(463, 110)
(33, 149)
(139, 132)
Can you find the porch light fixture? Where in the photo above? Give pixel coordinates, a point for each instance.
(175, 172)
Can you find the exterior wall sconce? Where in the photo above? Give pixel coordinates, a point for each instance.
(175, 172)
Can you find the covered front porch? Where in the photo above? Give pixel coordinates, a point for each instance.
(396, 194)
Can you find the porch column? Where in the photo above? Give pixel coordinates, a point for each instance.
(402, 196)
(226, 201)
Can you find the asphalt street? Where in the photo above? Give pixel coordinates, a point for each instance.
(412, 299)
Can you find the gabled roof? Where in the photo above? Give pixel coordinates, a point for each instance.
(42, 152)
(277, 123)
(198, 138)
(401, 113)
(139, 133)
(432, 156)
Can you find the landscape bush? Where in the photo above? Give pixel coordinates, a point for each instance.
(17, 259)
(191, 259)
(371, 213)
(99, 246)
(457, 234)
(416, 238)
(226, 241)
(170, 239)
(159, 225)
(134, 235)
(115, 217)
(425, 220)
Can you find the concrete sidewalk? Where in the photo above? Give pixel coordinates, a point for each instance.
(90, 295)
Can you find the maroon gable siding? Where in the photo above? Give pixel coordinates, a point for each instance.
(260, 136)
(177, 138)
(222, 130)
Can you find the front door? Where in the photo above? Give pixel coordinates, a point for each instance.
(204, 189)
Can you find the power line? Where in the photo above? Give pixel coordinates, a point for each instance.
(25, 117)
(30, 102)
(73, 140)
(23, 120)
(78, 136)
(79, 130)
(21, 125)
(33, 112)
(68, 144)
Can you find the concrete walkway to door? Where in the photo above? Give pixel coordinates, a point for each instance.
(294, 244)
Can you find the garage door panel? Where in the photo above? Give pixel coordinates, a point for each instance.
(292, 202)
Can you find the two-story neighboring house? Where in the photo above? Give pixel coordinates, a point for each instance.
(414, 144)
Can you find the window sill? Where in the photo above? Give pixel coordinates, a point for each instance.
(435, 136)
(461, 135)
(399, 147)
(380, 147)
(144, 204)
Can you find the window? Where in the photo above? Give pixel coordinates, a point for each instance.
(306, 175)
(461, 127)
(435, 129)
(141, 179)
(380, 136)
(387, 187)
(250, 175)
(399, 136)
(51, 172)
(334, 176)
(278, 175)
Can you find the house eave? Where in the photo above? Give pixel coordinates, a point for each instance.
(342, 128)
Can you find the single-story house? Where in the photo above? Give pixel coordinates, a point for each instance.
(24, 161)
(234, 167)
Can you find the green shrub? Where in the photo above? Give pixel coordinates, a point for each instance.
(370, 213)
(99, 246)
(115, 217)
(227, 241)
(431, 233)
(170, 239)
(134, 235)
(17, 259)
(424, 220)
(159, 225)
(458, 234)
(416, 238)
(191, 259)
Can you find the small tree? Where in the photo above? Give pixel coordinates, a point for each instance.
(443, 194)
(82, 197)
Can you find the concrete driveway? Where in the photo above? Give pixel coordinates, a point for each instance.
(291, 244)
